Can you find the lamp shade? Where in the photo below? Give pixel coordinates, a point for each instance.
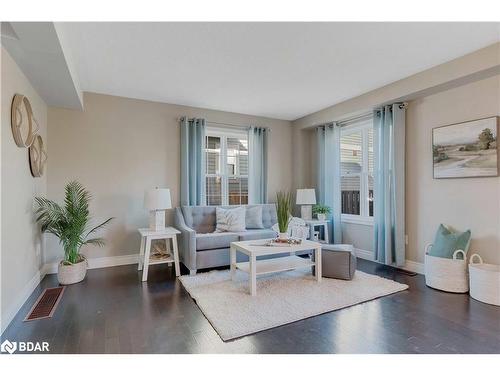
(306, 196)
(157, 199)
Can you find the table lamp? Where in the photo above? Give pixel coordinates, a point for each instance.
(157, 201)
(306, 198)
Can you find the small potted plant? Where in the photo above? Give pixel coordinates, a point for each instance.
(321, 211)
(71, 225)
(283, 212)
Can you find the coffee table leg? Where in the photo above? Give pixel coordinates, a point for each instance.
(232, 261)
(317, 260)
(253, 275)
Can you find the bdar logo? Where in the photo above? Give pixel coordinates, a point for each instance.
(9, 347)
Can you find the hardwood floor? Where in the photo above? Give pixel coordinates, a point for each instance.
(112, 311)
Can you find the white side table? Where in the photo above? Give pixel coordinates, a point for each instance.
(147, 235)
(318, 223)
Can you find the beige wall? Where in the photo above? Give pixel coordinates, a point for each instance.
(119, 147)
(472, 203)
(21, 244)
(462, 203)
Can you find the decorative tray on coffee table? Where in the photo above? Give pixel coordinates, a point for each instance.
(284, 242)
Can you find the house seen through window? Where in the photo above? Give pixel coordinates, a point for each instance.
(356, 149)
(226, 167)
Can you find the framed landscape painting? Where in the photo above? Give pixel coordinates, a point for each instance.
(468, 149)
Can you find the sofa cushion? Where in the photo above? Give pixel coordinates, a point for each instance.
(447, 241)
(200, 218)
(209, 241)
(230, 219)
(253, 219)
(256, 234)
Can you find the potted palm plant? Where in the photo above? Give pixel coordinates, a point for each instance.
(283, 212)
(70, 223)
(321, 211)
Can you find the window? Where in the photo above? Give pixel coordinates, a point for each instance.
(226, 155)
(356, 163)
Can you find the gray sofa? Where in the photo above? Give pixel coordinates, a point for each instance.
(200, 247)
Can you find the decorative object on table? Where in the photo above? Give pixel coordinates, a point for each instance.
(306, 198)
(447, 241)
(283, 242)
(233, 313)
(21, 115)
(449, 275)
(467, 149)
(314, 225)
(148, 258)
(297, 228)
(338, 261)
(230, 219)
(37, 157)
(320, 210)
(70, 223)
(283, 212)
(157, 201)
(484, 281)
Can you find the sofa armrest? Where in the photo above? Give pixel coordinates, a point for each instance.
(187, 241)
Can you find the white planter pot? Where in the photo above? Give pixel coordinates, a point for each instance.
(283, 236)
(321, 217)
(71, 273)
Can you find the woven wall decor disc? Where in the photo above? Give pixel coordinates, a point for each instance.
(21, 116)
(37, 156)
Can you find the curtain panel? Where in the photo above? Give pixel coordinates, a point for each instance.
(192, 161)
(389, 188)
(328, 176)
(257, 164)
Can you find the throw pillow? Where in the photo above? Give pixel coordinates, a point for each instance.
(230, 219)
(254, 217)
(448, 241)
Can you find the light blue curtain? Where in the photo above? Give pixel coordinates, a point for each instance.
(257, 165)
(389, 189)
(192, 162)
(328, 177)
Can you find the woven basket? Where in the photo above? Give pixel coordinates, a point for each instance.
(484, 281)
(449, 275)
(71, 273)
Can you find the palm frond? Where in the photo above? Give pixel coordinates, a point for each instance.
(95, 241)
(97, 227)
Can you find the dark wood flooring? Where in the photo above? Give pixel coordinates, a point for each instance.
(112, 311)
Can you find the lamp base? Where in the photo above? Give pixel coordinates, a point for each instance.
(306, 212)
(157, 220)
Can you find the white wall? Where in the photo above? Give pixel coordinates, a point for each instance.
(464, 203)
(21, 244)
(119, 147)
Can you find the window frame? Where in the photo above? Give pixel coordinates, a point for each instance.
(364, 217)
(223, 135)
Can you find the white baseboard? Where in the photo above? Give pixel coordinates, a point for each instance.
(22, 296)
(410, 265)
(50, 268)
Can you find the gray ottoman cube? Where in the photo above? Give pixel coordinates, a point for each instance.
(338, 261)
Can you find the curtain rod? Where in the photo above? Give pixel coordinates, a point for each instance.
(347, 121)
(358, 118)
(241, 127)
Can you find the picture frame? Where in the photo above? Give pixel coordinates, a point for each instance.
(466, 150)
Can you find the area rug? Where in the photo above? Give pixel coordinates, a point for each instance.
(281, 298)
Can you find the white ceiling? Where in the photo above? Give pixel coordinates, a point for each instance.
(278, 70)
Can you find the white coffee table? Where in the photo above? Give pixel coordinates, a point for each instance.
(257, 248)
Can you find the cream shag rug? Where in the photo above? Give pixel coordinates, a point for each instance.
(281, 298)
